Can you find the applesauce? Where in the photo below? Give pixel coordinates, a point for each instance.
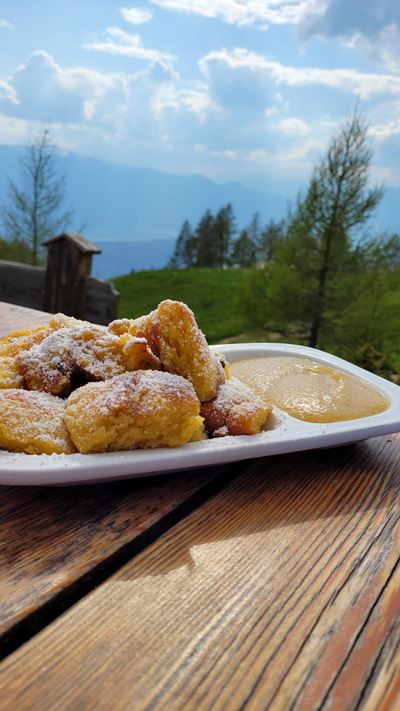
(308, 390)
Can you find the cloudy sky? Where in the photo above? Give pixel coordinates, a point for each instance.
(247, 90)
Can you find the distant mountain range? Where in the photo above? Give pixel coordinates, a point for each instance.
(134, 214)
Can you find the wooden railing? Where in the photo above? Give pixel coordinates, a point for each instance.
(64, 285)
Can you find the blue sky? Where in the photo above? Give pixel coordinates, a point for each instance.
(247, 90)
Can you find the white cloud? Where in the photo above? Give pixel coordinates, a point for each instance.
(195, 100)
(7, 93)
(122, 43)
(150, 112)
(41, 90)
(5, 25)
(382, 131)
(136, 15)
(240, 12)
(293, 127)
(361, 84)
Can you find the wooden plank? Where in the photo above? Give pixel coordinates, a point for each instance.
(281, 592)
(51, 538)
(15, 318)
(100, 301)
(22, 284)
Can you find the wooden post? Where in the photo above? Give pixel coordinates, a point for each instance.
(69, 262)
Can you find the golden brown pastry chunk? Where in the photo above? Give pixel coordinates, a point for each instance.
(235, 411)
(17, 341)
(142, 327)
(224, 362)
(60, 320)
(20, 341)
(120, 326)
(138, 354)
(10, 346)
(10, 376)
(87, 351)
(33, 422)
(48, 366)
(141, 409)
(174, 336)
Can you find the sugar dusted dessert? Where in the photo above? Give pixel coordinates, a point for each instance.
(236, 410)
(145, 409)
(149, 382)
(85, 351)
(173, 334)
(33, 422)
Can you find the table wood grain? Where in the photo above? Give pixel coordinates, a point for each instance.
(281, 592)
(53, 540)
(14, 318)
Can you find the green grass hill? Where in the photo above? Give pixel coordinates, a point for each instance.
(212, 294)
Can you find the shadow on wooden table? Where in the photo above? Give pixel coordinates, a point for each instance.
(303, 492)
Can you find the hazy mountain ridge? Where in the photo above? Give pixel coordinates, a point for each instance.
(122, 203)
(141, 210)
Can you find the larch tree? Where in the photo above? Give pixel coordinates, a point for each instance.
(34, 212)
(318, 246)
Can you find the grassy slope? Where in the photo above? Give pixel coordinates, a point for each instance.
(211, 293)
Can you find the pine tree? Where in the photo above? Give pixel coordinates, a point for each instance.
(185, 248)
(268, 240)
(224, 229)
(208, 252)
(244, 251)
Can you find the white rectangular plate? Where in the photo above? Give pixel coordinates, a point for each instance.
(285, 434)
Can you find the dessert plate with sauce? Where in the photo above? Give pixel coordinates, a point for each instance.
(318, 401)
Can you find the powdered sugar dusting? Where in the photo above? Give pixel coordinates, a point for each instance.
(235, 410)
(237, 400)
(89, 349)
(118, 391)
(33, 422)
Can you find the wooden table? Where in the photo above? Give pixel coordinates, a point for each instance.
(268, 584)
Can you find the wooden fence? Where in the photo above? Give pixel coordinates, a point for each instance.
(64, 285)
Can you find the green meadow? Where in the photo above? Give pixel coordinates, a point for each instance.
(214, 295)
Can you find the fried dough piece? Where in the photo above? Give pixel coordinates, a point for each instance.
(85, 351)
(174, 336)
(100, 355)
(33, 423)
(225, 364)
(142, 327)
(10, 376)
(121, 326)
(235, 411)
(142, 409)
(184, 350)
(10, 346)
(19, 341)
(48, 366)
(63, 321)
